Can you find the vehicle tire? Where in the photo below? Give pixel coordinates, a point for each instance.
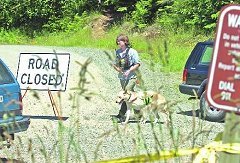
(210, 113)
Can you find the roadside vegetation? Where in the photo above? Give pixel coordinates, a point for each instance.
(176, 25)
(179, 43)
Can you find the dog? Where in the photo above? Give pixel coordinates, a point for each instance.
(143, 103)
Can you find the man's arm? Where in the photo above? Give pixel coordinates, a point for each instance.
(118, 69)
(132, 69)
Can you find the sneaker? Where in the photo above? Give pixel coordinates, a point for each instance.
(118, 117)
(122, 119)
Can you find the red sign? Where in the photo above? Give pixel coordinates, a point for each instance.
(223, 90)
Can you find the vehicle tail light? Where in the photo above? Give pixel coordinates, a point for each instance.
(184, 76)
(20, 102)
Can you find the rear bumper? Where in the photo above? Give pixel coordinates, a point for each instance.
(16, 126)
(188, 89)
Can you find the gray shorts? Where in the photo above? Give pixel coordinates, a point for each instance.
(128, 84)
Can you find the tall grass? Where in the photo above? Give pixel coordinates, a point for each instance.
(179, 49)
(12, 37)
(180, 43)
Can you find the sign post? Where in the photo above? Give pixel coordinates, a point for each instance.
(223, 89)
(44, 72)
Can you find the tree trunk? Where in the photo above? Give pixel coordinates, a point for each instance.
(231, 134)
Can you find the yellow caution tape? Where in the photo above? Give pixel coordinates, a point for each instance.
(206, 153)
(162, 155)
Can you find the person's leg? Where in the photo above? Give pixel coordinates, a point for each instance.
(123, 108)
(130, 85)
(126, 85)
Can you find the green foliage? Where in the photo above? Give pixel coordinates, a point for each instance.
(68, 24)
(34, 16)
(141, 13)
(200, 15)
(12, 37)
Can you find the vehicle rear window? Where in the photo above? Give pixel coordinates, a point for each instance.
(207, 55)
(5, 76)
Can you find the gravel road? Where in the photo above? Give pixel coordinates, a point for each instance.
(87, 123)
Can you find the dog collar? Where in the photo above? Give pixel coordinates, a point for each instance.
(147, 100)
(130, 97)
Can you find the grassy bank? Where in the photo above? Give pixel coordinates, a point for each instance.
(169, 48)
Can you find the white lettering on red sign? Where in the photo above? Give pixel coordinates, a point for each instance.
(227, 86)
(226, 67)
(233, 20)
(225, 96)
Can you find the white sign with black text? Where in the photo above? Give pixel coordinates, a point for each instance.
(43, 71)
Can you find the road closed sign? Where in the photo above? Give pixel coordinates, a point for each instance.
(43, 71)
(223, 90)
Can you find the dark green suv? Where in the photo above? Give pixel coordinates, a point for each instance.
(194, 79)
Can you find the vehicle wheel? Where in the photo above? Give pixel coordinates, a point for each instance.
(210, 113)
